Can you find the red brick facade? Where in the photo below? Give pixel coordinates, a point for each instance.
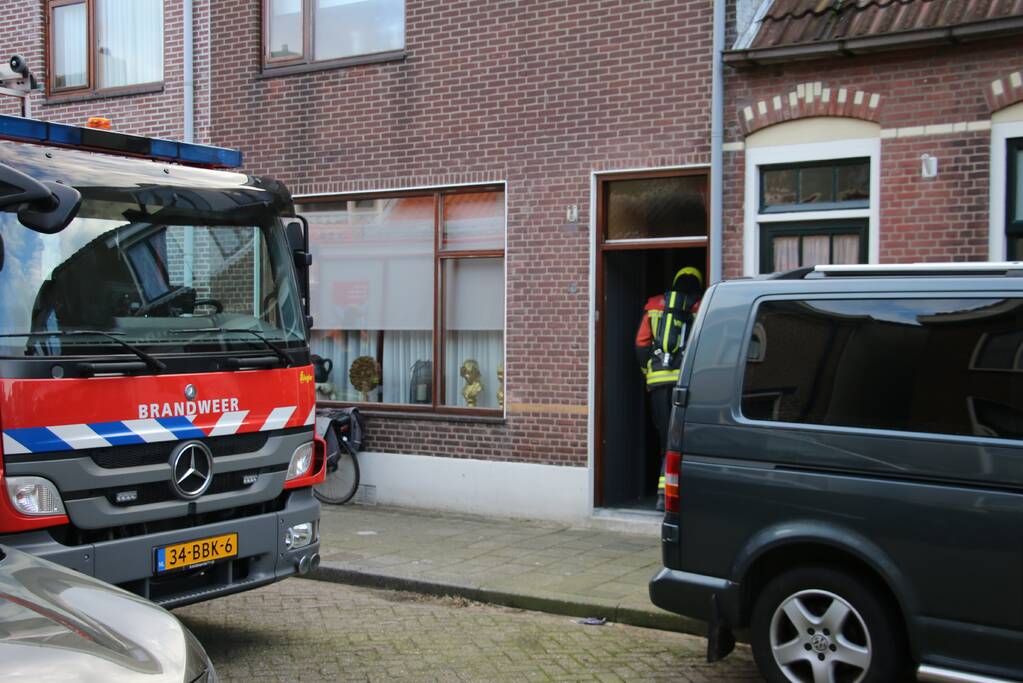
(932, 100)
(159, 113)
(536, 95)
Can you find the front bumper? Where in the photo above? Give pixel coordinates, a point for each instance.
(130, 562)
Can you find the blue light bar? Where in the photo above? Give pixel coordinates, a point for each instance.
(45, 133)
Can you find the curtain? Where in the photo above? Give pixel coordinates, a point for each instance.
(487, 349)
(129, 34)
(816, 250)
(70, 50)
(786, 253)
(846, 249)
(402, 350)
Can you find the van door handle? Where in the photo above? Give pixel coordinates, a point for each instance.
(680, 396)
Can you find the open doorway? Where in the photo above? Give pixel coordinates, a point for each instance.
(650, 226)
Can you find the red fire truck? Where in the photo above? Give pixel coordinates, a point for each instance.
(156, 394)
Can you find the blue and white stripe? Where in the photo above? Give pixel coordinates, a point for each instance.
(76, 437)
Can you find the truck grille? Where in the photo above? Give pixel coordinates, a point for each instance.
(116, 457)
(161, 492)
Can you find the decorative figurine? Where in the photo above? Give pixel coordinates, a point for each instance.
(500, 389)
(364, 374)
(470, 372)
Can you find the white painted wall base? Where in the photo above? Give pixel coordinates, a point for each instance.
(481, 487)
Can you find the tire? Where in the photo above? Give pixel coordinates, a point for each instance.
(340, 485)
(844, 629)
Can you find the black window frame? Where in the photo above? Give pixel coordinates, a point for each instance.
(801, 229)
(764, 208)
(1013, 227)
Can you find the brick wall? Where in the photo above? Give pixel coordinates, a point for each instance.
(945, 218)
(158, 114)
(536, 94)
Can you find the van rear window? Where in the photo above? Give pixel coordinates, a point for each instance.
(946, 366)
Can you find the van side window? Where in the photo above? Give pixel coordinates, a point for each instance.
(947, 366)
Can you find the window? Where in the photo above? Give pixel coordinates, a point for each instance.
(815, 186)
(784, 246)
(791, 190)
(408, 298)
(657, 208)
(811, 194)
(306, 31)
(98, 45)
(945, 366)
(1014, 205)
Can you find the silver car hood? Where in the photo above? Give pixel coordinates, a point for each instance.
(59, 625)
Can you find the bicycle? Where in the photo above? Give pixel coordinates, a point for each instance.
(343, 430)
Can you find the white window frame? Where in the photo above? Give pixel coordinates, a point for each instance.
(836, 150)
(1001, 133)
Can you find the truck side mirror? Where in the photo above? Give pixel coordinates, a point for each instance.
(298, 239)
(45, 207)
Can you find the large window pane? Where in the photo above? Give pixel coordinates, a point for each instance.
(345, 28)
(372, 296)
(902, 364)
(129, 36)
(284, 26)
(473, 221)
(657, 207)
(474, 331)
(70, 33)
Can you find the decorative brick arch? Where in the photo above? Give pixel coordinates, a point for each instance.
(1005, 91)
(810, 100)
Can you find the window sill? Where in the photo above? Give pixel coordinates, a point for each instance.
(270, 71)
(71, 98)
(475, 416)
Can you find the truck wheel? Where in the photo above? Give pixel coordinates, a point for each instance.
(823, 625)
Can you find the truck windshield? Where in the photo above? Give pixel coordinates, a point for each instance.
(150, 280)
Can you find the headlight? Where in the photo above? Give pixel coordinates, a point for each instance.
(301, 460)
(300, 535)
(34, 496)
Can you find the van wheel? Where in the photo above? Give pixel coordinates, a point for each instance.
(823, 625)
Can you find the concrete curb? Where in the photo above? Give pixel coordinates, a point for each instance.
(568, 606)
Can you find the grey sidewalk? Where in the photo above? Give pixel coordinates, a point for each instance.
(533, 565)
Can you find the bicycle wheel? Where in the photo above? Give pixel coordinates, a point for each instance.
(341, 484)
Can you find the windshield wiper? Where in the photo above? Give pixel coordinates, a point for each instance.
(152, 363)
(277, 350)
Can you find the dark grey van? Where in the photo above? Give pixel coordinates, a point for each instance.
(845, 474)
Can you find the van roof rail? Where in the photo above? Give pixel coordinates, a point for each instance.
(976, 268)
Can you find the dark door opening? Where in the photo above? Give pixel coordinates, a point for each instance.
(629, 446)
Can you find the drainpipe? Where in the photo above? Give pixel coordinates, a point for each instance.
(188, 68)
(717, 173)
(189, 122)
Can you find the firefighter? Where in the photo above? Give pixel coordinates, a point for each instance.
(660, 343)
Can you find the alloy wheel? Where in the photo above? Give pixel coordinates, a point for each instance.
(818, 637)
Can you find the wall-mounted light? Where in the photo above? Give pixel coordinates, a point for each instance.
(928, 166)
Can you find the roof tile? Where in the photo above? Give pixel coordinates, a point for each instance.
(791, 22)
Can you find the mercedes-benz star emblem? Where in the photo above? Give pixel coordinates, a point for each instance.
(191, 469)
(190, 392)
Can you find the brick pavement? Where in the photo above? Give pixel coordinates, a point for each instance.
(534, 565)
(317, 631)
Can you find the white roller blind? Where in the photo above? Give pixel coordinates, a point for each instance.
(70, 46)
(129, 36)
